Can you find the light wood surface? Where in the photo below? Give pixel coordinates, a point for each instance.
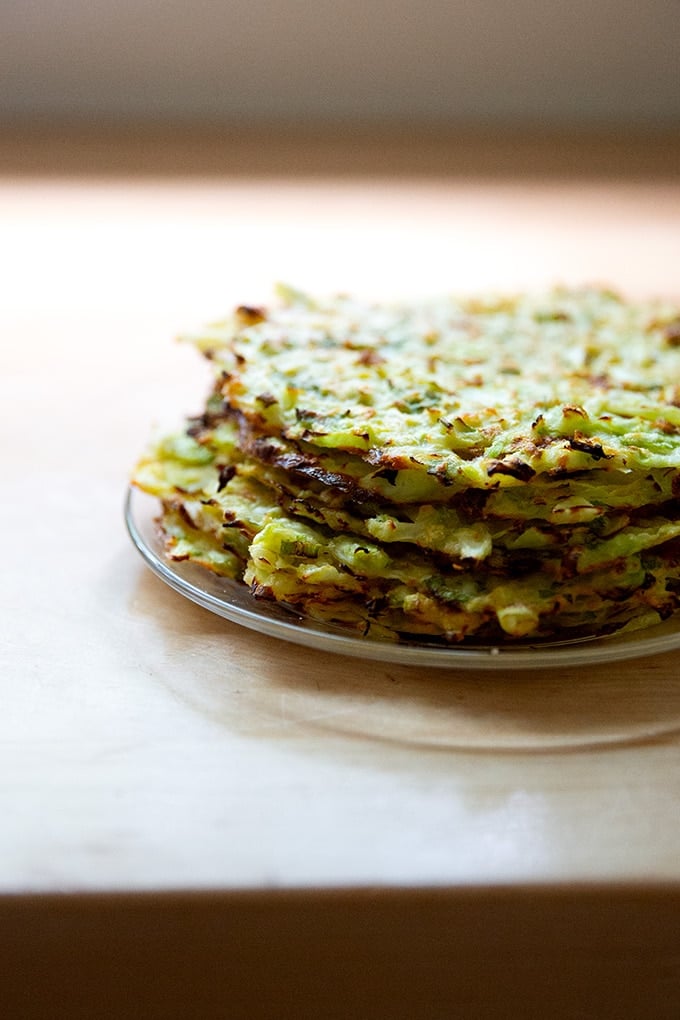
(147, 746)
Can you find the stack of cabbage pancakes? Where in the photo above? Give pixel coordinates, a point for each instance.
(487, 469)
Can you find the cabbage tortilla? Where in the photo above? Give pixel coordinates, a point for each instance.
(501, 468)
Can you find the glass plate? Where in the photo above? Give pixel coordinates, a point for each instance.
(234, 602)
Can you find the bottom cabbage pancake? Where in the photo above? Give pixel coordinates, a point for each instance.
(555, 517)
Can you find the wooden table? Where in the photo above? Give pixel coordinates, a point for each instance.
(201, 821)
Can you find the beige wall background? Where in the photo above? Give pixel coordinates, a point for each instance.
(583, 62)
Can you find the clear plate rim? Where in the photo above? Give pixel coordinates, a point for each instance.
(264, 619)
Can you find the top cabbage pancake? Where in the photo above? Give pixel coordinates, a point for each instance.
(480, 469)
(468, 391)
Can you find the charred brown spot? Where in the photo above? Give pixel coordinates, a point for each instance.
(667, 427)
(287, 461)
(267, 399)
(226, 473)
(473, 501)
(197, 428)
(514, 467)
(583, 444)
(384, 459)
(441, 473)
(231, 520)
(672, 333)
(309, 469)
(369, 356)
(389, 474)
(305, 508)
(537, 445)
(308, 435)
(183, 513)
(248, 315)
